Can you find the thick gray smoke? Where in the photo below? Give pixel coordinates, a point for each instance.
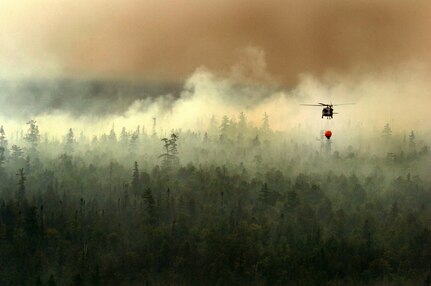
(23, 99)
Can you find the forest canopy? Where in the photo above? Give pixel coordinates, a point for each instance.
(237, 204)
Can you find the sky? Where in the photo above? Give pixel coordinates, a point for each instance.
(239, 55)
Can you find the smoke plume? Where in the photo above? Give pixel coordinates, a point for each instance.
(167, 40)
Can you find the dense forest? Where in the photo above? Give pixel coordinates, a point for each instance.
(236, 204)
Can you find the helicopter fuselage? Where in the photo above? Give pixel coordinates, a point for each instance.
(327, 112)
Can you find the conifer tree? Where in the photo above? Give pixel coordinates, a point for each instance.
(3, 146)
(135, 178)
(21, 185)
(292, 199)
(124, 137)
(173, 149)
(412, 137)
(133, 143)
(150, 204)
(387, 131)
(242, 122)
(112, 135)
(2, 156)
(170, 154)
(165, 154)
(256, 141)
(70, 142)
(265, 125)
(206, 138)
(224, 126)
(17, 152)
(264, 194)
(33, 135)
(3, 141)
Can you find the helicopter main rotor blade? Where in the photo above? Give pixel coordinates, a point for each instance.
(324, 104)
(310, 104)
(343, 104)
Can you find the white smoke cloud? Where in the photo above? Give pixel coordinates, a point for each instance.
(397, 96)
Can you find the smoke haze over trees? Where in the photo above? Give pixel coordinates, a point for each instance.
(234, 204)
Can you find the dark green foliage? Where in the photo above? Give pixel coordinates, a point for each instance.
(136, 182)
(2, 156)
(150, 205)
(292, 199)
(3, 146)
(51, 281)
(20, 194)
(268, 197)
(297, 238)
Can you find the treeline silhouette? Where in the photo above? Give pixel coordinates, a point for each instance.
(232, 206)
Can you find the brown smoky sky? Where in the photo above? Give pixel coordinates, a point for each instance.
(168, 40)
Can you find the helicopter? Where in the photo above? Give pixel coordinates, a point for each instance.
(327, 110)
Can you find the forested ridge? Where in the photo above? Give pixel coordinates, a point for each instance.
(236, 205)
